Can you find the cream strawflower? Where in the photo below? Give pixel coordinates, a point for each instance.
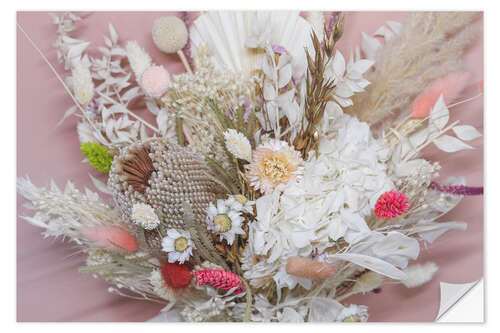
(224, 221)
(178, 245)
(274, 164)
(145, 216)
(238, 144)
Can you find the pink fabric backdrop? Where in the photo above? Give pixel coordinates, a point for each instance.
(49, 288)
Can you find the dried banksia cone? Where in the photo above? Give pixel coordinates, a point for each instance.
(162, 175)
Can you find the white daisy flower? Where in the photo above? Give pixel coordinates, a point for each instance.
(145, 216)
(240, 203)
(224, 221)
(178, 245)
(238, 145)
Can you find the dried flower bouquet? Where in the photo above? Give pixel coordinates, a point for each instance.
(278, 179)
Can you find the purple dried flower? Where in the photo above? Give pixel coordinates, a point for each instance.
(456, 189)
(279, 49)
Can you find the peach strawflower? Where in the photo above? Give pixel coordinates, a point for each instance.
(274, 164)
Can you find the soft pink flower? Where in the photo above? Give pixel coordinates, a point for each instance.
(391, 204)
(155, 80)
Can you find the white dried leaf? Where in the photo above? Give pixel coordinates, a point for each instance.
(450, 144)
(339, 64)
(113, 34)
(68, 113)
(466, 132)
(369, 45)
(377, 265)
(285, 75)
(431, 231)
(270, 92)
(440, 115)
(100, 186)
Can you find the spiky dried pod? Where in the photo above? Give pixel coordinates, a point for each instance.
(163, 175)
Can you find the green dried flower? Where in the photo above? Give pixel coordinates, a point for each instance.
(97, 155)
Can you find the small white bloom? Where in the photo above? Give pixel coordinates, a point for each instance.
(240, 203)
(178, 245)
(224, 221)
(238, 144)
(83, 86)
(145, 216)
(417, 275)
(138, 58)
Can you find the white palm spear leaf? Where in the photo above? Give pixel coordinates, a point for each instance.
(237, 38)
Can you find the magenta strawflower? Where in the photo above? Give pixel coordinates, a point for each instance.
(391, 204)
(220, 279)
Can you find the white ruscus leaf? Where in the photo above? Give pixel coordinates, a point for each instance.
(377, 265)
(450, 144)
(466, 132)
(440, 113)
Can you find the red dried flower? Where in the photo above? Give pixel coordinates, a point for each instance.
(219, 278)
(176, 275)
(391, 204)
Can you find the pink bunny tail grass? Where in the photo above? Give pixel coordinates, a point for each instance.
(456, 189)
(391, 204)
(111, 238)
(450, 86)
(220, 279)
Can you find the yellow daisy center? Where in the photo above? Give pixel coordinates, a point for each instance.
(181, 244)
(223, 222)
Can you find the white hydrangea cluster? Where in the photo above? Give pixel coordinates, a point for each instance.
(337, 192)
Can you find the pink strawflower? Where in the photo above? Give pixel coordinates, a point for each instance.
(391, 204)
(220, 279)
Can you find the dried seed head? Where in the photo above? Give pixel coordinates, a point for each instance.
(162, 175)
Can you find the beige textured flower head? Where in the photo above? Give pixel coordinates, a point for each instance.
(169, 34)
(161, 175)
